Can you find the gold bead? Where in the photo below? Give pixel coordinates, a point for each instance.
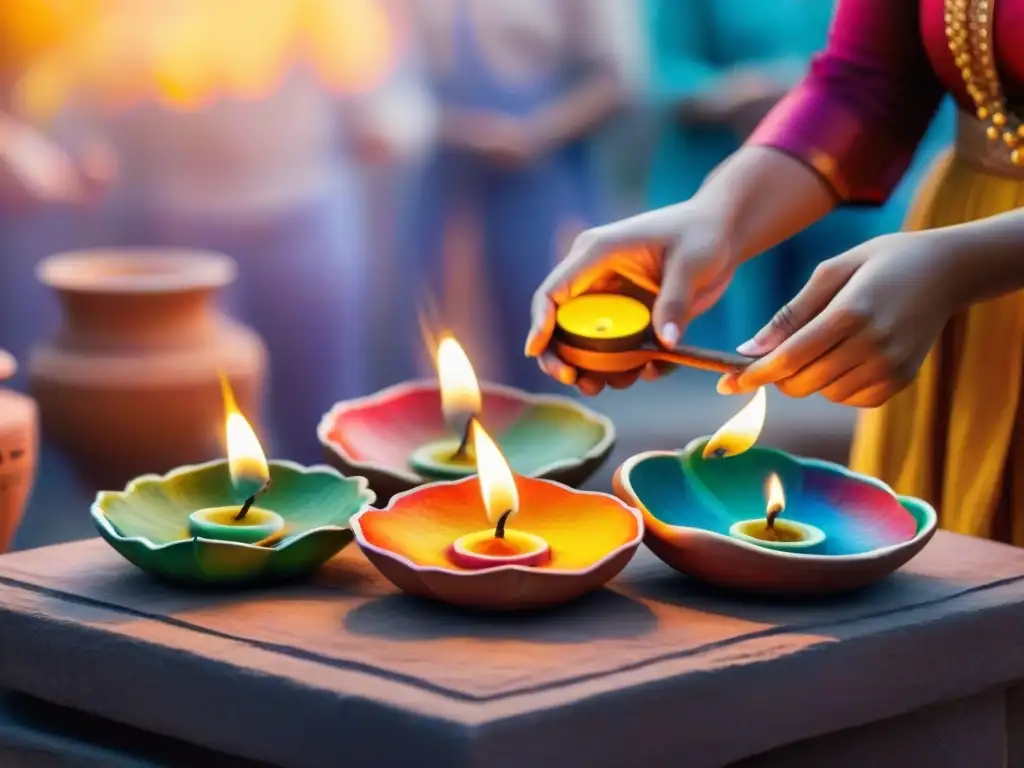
(967, 74)
(999, 119)
(1020, 130)
(983, 32)
(990, 73)
(982, 113)
(1017, 157)
(1010, 139)
(992, 132)
(983, 47)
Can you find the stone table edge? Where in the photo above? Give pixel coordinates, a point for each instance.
(440, 725)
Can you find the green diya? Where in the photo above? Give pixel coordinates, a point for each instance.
(202, 525)
(150, 523)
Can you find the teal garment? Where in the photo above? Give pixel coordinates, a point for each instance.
(693, 43)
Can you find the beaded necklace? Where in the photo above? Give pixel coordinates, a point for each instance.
(969, 36)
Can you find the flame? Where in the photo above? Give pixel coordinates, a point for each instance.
(246, 460)
(460, 391)
(740, 432)
(497, 483)
(775, 495)
(186, 54)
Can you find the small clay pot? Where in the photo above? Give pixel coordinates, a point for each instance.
(130, 384)
(19, 432)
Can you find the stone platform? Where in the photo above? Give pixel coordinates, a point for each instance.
(654, 671)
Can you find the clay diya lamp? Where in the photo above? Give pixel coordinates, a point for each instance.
(19, 438)
(415, 432)
(242, 520)
(764, 521)
(611, 333)
(499, 541)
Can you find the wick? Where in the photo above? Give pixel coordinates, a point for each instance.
(251, 500)
(499, 531)
(773, 512)
(719, 453)
(460, 452)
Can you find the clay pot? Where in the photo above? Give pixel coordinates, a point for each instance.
(130, 384)
(18, 448)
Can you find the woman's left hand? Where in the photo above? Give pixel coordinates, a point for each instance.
(861, 327)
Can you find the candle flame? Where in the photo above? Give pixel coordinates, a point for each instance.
(497, 483)
(775, 495)
(460, 390)
(246, 460)
(740, 432)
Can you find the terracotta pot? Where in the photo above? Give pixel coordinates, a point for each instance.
(18, 449)
(129, 385)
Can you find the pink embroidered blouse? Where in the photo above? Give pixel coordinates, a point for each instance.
(868, 98)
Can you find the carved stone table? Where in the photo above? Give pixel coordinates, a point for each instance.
(655, 671)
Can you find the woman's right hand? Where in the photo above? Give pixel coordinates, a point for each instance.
(679, 258)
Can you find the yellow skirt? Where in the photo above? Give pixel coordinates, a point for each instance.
(955, 437)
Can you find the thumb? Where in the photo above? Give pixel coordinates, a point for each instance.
(542, 324)
(826, 281)
(674, 303)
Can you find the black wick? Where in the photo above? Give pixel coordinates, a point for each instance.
(719, 453)
(251, 500)
(460, 452)
(773, 511)
(499, 531)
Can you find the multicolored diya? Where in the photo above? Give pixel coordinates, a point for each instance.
(591, 537)
(540, 435)
(690, 503)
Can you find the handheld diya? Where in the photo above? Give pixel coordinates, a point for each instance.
(499, 541)
(764, 521)
(611, 333)
(235, 521)
(416, 432)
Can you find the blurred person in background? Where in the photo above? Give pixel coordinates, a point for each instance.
(523, 86)
(717, 69)
(46, 185)
(240, 126)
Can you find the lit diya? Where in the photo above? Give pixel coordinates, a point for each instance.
(611, 333)
(819, 527)
(769, 531)
(461, 404)
(499, 541)
(250, 473)
(503, 545)
(202, 525)
(416, 432)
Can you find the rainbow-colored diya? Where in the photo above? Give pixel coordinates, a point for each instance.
(416, 432)
(761, 520)
(237, 521)
(498, 541)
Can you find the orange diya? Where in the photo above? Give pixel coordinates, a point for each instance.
(497, 540)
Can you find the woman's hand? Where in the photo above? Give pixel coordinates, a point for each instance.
(678, 258)
(861, 327)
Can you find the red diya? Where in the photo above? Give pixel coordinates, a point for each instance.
(499, 541)
(414, 433)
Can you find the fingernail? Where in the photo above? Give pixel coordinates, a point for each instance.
(749, 347)
(565, 376)
(726, 385)
(670, 334)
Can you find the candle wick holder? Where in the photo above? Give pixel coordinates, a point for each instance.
(499, 529)
(251, 500)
